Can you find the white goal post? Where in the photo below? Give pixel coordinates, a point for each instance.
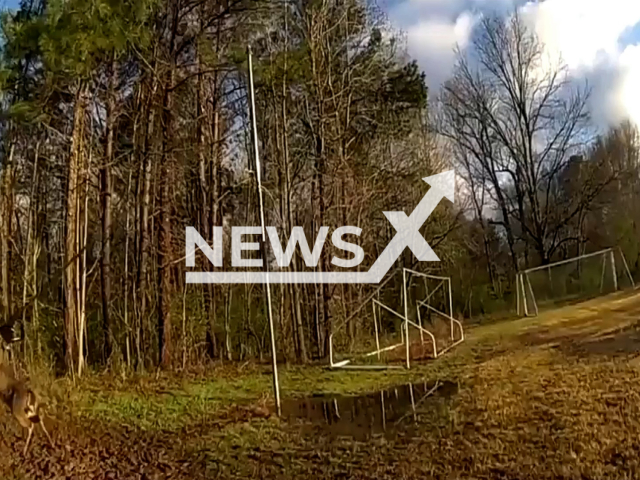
(453, 323)
(526, 302)
(407, 325)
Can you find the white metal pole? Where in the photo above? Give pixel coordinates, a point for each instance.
(626, 267)
(274, 362)
(517, 294)
(375, 326)
(524, 296)
(450, 308)
(614, 272)
(406, 314)
(420, 323)
(331, 350)
(426, 292)
(533, 298)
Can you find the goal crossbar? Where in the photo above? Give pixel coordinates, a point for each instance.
(523, 276)
(568, 260)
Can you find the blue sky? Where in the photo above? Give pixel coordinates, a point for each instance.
(10, 3)
(632, 36)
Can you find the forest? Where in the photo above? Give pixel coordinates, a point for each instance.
(125, 122)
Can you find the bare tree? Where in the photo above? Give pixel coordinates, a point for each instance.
(517, 120)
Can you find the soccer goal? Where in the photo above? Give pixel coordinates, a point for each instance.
(433, 306)
(404, 326)
(572, 280)
(377, 341)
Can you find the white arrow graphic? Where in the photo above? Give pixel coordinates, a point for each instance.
(442, 185)
(408, 235)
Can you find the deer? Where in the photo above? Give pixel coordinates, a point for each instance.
(23, 403)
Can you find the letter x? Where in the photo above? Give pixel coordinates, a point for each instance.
(409, 234)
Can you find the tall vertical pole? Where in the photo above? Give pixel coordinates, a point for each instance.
(524, 296)
(626, 268)
(614, 272)
(517, 294)
(406, 315)
(276, 385)
(450, 308)
(375, 326)
(533, 297)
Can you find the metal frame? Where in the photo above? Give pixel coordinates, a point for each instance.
(263, 238)
(346, 364)
(521, 294)
(404, 328)
(424, 303)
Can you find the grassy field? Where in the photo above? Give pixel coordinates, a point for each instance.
(555, 396)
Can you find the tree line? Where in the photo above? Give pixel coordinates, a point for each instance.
(125, 122)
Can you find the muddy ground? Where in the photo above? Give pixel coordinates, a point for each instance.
(556, 396)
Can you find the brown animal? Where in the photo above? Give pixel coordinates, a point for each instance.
(23, 403)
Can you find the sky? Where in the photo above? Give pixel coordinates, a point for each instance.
(599, 40)
(9, 4)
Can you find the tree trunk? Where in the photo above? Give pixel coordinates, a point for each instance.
(507, 225)
(164, 231)
(71, 243)
(6, 214)
(144, 223)
(324, 314)
(295, 294)
(105, 198)
(215, 219)
(227, 323)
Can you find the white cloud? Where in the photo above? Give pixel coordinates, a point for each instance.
(432, 42)
(585, 33)
(629, 96)
(582, 30)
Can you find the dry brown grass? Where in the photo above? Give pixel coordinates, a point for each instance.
(551, 397)
(555, 396)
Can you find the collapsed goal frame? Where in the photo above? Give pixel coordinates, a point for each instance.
(377, 306)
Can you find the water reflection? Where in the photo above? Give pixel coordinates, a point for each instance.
(386, 411)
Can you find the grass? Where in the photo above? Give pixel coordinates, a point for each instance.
(548, 397)
(176, 407)
(171, 402)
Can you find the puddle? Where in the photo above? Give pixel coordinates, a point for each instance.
(388, 412)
